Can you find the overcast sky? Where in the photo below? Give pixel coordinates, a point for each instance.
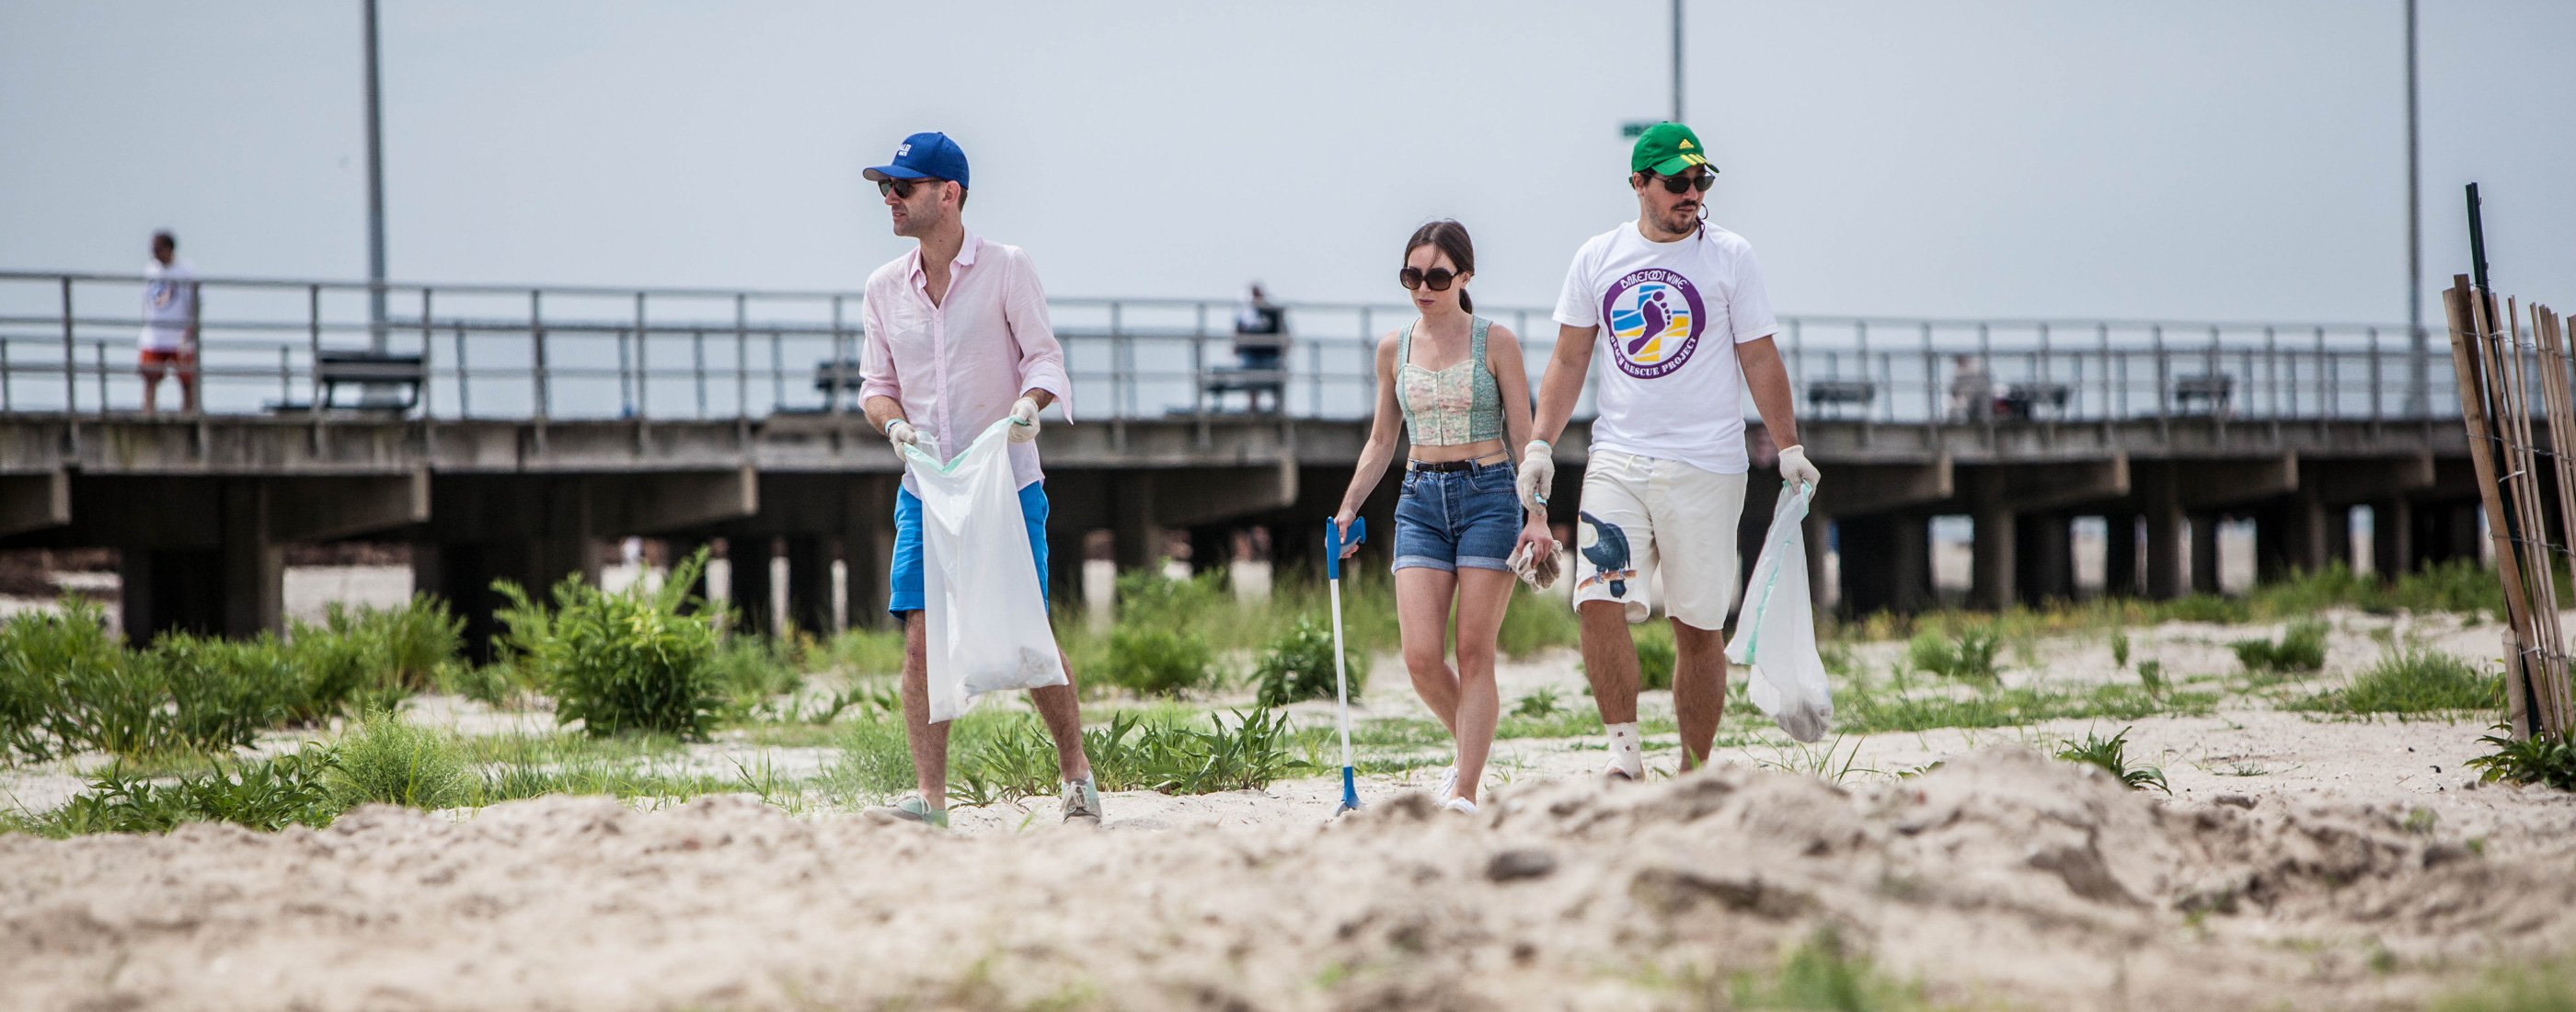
(2189, 160)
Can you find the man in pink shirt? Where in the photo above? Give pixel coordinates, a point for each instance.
(958, 339)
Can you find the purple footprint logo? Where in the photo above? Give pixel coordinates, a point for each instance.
(1657, 317)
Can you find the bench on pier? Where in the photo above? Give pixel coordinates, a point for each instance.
(2025, 401)
(1838, 394)
(2210, 390)
(1261, 366)
(387, 382)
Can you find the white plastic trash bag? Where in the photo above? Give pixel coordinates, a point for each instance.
(986, 619)
(1775, 630)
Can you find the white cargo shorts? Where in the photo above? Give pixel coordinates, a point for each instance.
(1642, 516)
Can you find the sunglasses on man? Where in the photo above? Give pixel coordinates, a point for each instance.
(1685, 184)
(1437, 278)
(901, 189)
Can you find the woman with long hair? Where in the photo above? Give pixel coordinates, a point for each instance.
(1454, 382)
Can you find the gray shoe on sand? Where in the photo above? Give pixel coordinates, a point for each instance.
(913, 809)
(1081, 802)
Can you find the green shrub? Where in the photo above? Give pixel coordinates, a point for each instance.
(637, 660)
(749, 672)
(497, 685)
(2461, 585)
(286, 791)
(2302, 647)
(2412, 681)
(1536, 622)
(389, 762)
(2539, 759)
(1132, 753)
(1158, 662)
(55, 667)
(2110, 754)
(2207, 608)
(867, 651)
(1655, 656)
(223, 692)
(1147, 599)
(1971, 658)
(1299, 665)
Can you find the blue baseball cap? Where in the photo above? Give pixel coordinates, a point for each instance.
(928, 155)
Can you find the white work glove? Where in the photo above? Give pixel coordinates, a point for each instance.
(901, 434)
(1794, 468)
(1538, 474)
(1024, 420)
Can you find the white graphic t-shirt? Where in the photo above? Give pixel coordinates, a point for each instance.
(1670, 315)
(169, 301)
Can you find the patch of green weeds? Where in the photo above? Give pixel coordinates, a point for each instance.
(1159, 662)
(1832, 763)
(1970, 657)
(2301, 649)
(1299, 665)
(1824, 974)
(1133, 752)
(289, 790)
(1541, 703)
(2120, 648)
(1904, 710)
(2111, 755)
(2542, 987)
(2416, 680)
(1536, 622)
(389, 762)
(2539, 759)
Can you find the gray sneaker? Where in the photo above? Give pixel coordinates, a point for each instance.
(913, 809)
(1081, 802)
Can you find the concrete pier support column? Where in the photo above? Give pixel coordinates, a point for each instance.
(2043, 558)
(2120, 555)
(2392, 538)
(1886, 563)
(2204, 553)
(1140, 538)
(809, 583)
(1993, 569)
(235, 589)
(1819, 530)
(2167, 528)
(750, 586)
(1211, 548)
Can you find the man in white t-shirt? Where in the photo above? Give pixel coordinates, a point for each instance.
(1678, 307)
(169, 324)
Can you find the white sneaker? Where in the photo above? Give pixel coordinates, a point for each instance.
(1461, 806)
(1448, 783)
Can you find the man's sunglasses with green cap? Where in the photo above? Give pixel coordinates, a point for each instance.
(1667, 150)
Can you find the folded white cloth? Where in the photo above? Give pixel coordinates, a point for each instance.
(1538, 569)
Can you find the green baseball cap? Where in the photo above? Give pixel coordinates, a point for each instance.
(1667, 149)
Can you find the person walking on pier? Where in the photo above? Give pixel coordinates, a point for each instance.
(1454, 382)
(169, 338)
(1678, 307)
(958, 339)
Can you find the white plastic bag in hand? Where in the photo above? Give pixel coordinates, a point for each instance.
(986, 620)
(1775, 631)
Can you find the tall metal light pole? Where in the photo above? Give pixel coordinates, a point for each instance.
(2416, 368)
(375, 196)
(1678, 60)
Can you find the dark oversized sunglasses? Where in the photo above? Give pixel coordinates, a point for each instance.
(1438, 278)
(901, 189)
(1685, 184)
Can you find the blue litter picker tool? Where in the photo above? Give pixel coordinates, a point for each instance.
(1341, 678)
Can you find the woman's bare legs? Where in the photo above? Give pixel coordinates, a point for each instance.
(1483, 595)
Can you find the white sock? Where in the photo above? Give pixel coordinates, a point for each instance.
(1627, 750)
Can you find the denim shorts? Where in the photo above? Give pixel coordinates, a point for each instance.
(1448, 519)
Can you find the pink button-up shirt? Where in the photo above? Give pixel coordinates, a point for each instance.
(957, 365)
